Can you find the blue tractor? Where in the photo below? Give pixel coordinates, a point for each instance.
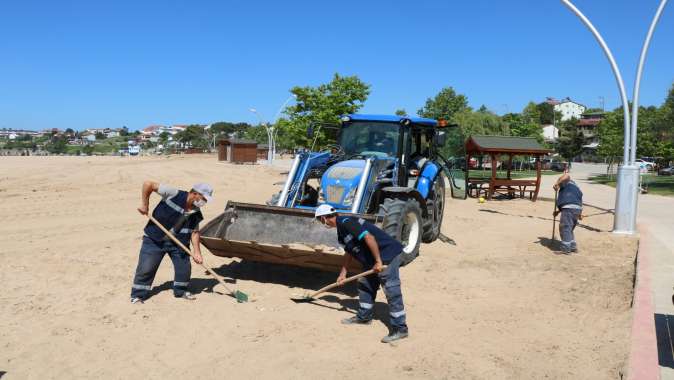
(383, 168)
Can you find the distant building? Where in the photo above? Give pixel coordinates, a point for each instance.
(152, 130)
(587, 125)
(552, 101)
(550, 133)
(14, 133)
(568, 108)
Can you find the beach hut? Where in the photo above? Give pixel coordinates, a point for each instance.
(238, 151)
(262, 151)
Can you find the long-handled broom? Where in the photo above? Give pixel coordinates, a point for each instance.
(312, 296)
(240, 296)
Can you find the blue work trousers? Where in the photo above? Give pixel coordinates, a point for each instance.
(389, 279)
(151, 254)
(567, 223)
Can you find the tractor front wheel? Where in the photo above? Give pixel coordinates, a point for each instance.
(402, 220)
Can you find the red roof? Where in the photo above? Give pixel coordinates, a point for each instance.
(151, 128)
(587, 122)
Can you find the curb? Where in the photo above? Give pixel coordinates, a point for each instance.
(643, 358)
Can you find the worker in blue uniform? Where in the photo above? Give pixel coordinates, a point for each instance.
(570, 205)
(373, 248)
(179, 212)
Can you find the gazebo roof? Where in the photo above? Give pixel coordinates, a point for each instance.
(504, 144)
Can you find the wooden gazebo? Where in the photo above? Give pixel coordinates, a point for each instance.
(495, 146)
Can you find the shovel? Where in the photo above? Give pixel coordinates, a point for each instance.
(312, 297)
(240, 296)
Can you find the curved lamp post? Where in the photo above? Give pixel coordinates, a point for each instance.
(270, 134)
(272, 130)
(278, 114)
(628, 172)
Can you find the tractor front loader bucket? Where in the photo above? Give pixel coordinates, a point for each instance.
(276, 235)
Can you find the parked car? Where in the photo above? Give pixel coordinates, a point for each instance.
(558, 166)
(666, 171)
(645, 165)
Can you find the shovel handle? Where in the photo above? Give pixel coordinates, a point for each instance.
(554, 217)
(348, 279)
(187, 250)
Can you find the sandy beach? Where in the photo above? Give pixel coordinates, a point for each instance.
(498, 304)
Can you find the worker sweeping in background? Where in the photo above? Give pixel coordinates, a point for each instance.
(178, 212)
(570, 205)
(373, 248)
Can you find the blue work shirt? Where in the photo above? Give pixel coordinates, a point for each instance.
(569, 194)
(351, 233)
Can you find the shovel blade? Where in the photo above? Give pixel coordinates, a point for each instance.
(240, 296)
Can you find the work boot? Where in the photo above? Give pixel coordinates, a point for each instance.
(356, 321)
(395, 335)
(187, 296)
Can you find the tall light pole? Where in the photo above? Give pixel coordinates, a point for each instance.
(628, 173)
(276, 117)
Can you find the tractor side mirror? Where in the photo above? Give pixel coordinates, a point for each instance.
(310, 132)
(440, 138)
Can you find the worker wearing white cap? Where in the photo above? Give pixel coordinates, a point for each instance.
(179, 212)
(373, 248)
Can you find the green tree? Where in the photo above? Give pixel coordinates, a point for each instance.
(444, 105)
(571, 140)
(192, 136)
(471, 123)
(401, 112)
(100, 136)
(518, 126)
(531, 114)
(546, 113)
(322, 104)
(610, 132)
(88, 149)
(56, 146)
(163, 138)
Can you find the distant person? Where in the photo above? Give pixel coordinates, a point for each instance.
(570, 205)
(179, 212)
(373, 248)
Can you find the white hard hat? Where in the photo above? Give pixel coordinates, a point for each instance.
(324, 210)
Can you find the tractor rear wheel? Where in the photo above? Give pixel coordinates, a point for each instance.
(402, 220)
(436, 209)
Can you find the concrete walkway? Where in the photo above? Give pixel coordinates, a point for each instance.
(655, 277)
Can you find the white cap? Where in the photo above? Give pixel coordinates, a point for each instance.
(324, 210)
(204, 189)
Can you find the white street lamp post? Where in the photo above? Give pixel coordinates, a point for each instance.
(276, 117)
(270, 136)
(272, 130)
(628, 173)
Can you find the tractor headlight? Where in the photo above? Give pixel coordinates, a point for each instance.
(348, 200)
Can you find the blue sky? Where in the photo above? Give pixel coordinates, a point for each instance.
(84, 64)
